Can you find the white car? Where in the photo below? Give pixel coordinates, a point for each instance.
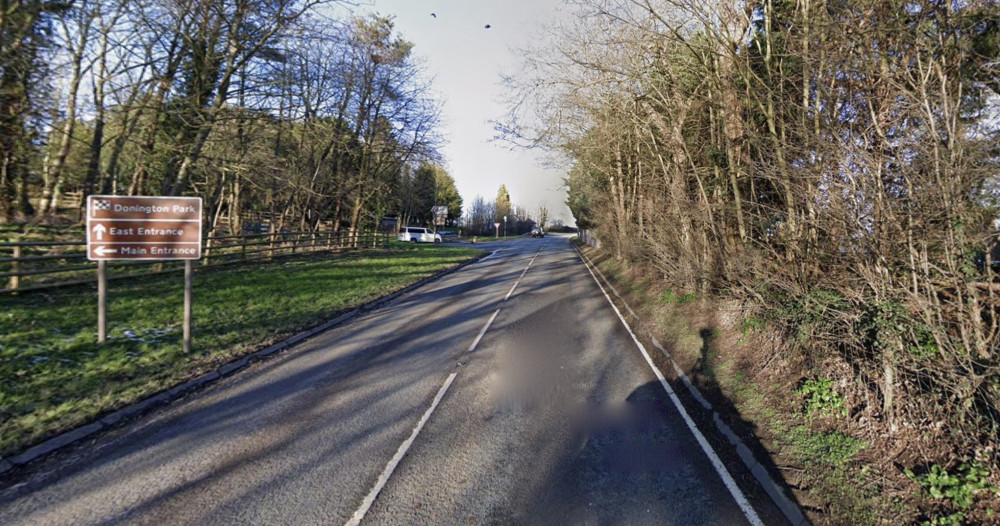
(418, 235)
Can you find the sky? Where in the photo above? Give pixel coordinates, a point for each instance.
(464, 60)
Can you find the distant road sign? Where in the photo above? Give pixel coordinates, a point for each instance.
(143, 227)
(440, 215)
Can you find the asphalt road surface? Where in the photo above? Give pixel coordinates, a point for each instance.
(505, 393)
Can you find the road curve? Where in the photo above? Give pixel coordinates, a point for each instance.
(505, 393)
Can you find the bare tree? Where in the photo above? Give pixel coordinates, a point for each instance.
(832, 166)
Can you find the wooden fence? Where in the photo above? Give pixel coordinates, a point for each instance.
(38, 265)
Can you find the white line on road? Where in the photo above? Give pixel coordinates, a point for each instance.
(366, 504)
(727, 479)
(516, 283)
(523, 272)
(491, 255)
(483, 331)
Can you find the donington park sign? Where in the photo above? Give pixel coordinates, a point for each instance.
(143, 227)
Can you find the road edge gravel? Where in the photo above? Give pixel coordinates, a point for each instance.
(167, 396)
(788, 507)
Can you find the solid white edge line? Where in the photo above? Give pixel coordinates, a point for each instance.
(727, 479)
(366, 504)
(482, 332)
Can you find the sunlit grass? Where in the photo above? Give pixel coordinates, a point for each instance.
(54, 375)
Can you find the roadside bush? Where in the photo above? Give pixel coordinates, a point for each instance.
(821, 398)
(863, 238)
(811, 318)
(957, 489)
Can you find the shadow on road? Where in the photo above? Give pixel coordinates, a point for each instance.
(703, 374)
(635, 464)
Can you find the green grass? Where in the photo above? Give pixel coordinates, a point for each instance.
(19, 232)
(54, 375)
(833, 447)
(851, 495)
(833, 479)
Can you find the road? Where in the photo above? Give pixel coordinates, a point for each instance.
(504, 393)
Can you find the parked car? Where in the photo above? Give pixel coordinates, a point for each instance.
(537, 232)
(418, 235)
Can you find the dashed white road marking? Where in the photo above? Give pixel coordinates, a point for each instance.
(482, 331)
(523, 272)
(366, 504)
(369, 499)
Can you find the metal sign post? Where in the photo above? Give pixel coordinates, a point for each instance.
(102, 304)
(188, 279)
(143, 227)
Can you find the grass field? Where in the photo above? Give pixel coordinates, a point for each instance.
(9, 233)
(54, 376)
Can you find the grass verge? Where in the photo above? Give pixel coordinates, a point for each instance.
(733, 363)
(54, 376)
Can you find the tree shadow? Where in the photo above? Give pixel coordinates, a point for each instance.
(637, 463)
(704, 363)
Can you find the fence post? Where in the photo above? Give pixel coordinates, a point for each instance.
(15, 280)
(208, 249)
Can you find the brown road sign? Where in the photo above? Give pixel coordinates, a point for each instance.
(440, 215)
(143, 227)
(145, 251)
(135, 231)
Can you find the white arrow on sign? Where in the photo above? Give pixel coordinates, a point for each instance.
(99, 231)
(102, 251)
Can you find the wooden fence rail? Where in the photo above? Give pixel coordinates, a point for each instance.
(38, 265)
